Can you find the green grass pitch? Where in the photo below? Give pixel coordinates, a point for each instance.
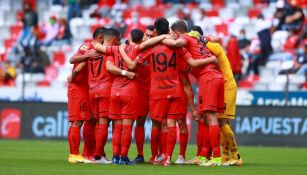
(50, 158)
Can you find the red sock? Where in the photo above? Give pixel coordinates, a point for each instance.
(184, 137)
(154, 141)
(163, 141)
(75, 139)
(139, 134)
(214, 132)
(101, 139)
(69, 140)
(116, 139)
(89, 139)
(171, 140)
(206, 142)
(199, 136)
(126, 139)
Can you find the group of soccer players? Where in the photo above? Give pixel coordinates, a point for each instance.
(121, 84)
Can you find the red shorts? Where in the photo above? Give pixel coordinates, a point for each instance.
(100, 106)
(78, 109)
(143, 105)
(211, 96)
(166, 108)
(123, 107)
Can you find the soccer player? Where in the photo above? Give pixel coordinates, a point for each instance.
(124, 93)
(166, 89)
(78, 109)
(230, 154)
(78, 102)
(211, 94)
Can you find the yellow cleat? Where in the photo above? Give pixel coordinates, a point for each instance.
(214, 161)
(196, 160)
(233, 162)
(75, 158)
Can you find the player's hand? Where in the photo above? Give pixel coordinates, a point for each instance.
(168, 36)
(94, 55)
(130, 75)
(122, 47)
(203, 39)
(215, 61)
(195, 115)
(69, 79)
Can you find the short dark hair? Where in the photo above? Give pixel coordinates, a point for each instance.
(112, 32)
(180, 26)
(161, 26)
(197, 29)
(99, 31)
(150, 27)
(136, 35)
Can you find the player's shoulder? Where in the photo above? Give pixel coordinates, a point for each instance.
(85, 47)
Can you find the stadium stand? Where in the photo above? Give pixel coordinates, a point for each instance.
(221, 18)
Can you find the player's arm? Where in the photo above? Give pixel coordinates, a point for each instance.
(187, 87)
(152, 41)
(174, 43)
(202, 62)
(78, 58)
(131, 64)
(75, 72)
(99, 47)
(212, 44)
(111, 68)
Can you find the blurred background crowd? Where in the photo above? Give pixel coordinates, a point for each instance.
(266, 40)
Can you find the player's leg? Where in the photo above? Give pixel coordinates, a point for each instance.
(74, 142)
(101, 139)
(162, 140)
(171, 140)
(139, 135)
(183, 139)
(116, 139)
(126, 141)
(89, 140)
(154, 141)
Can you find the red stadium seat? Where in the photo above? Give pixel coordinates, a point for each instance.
(221, 29)
(8, 43)
(218, 3)
(254, 12)
(245, 84)
(212, 13)
(58, 58)
(51, 72)
(15, 30)
(43, 83)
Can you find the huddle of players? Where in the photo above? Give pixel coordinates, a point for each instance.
(122, 83)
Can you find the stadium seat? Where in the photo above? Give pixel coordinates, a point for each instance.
(245, 84)
(43, 83)
(15, 30)
(51, 73)
(222, 29)
(58, 58)
(218, 3)
(254, 12)
(212, 13)
(8, 44)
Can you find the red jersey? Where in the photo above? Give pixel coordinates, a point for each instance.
(99, 79)
(143, 77)
(79, 85)
(122, 85)
(199, 51)
(165, 65)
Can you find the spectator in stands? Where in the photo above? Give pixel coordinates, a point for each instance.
(34, 62)
(30, 21)
(73, 9)
(64, 35)
(244, 45)
(288, 16)
(7, 73)
(233, 53)
(292, 41)
(301, 62)
(50, 30)
(242, 40)
(254, 57)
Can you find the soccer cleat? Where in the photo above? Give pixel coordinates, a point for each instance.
(89, 160)
(115, 160)
(197, 160)
(214, 161)
(154, 160)
(166, 162)
(161, 158)
(75, 158)
(126, 161)
(139, 159)
(180, 160)
(103, 160)
(233, 162)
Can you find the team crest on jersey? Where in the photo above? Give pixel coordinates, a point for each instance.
(84, 48)
(145, 63)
